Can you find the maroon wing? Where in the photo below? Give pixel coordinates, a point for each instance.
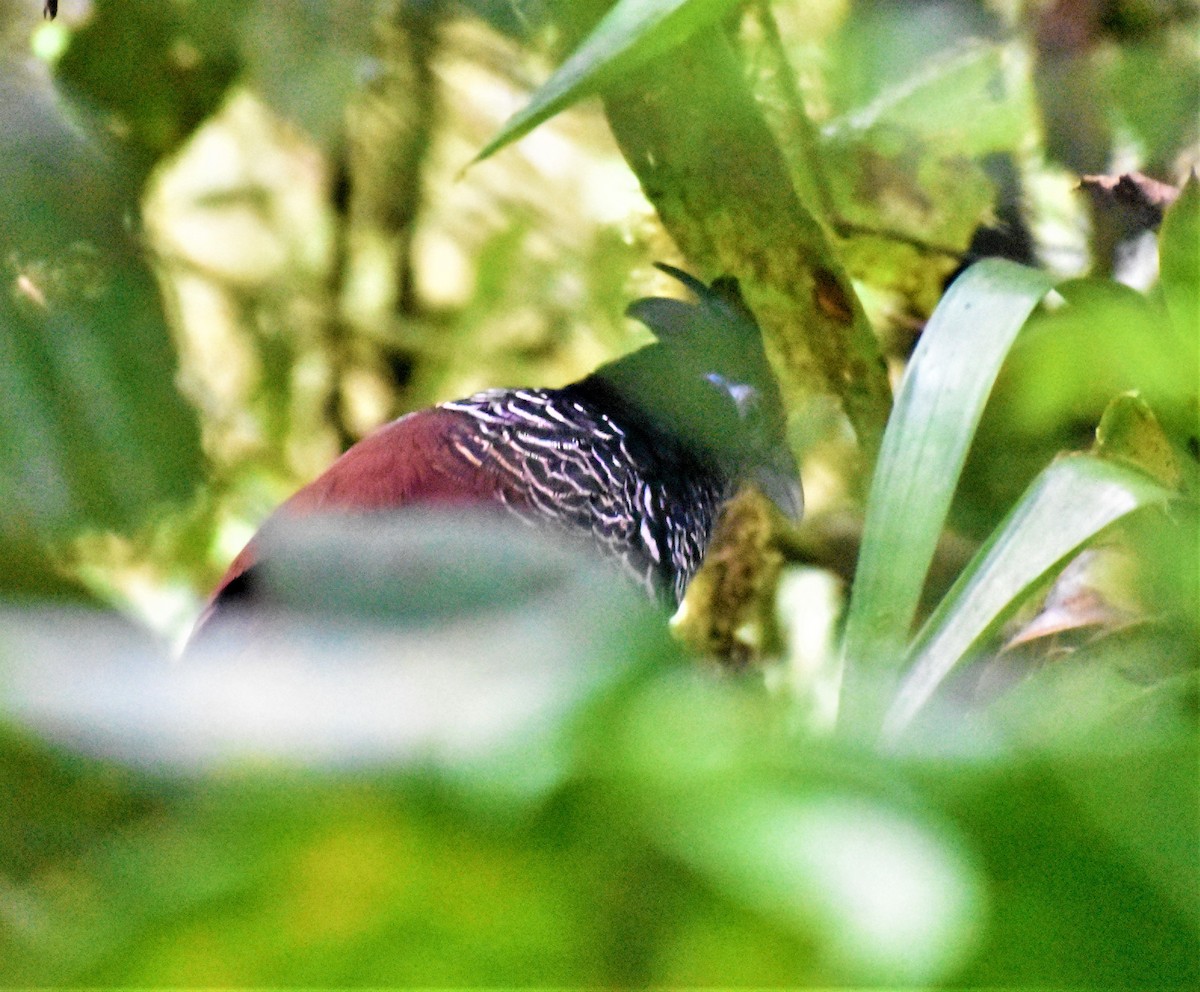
(420, 459)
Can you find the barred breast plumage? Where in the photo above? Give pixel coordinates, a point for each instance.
(563, 461)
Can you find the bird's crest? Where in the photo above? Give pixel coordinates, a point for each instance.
(719, 309)
(714, 339)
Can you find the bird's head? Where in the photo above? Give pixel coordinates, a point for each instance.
(710, 376)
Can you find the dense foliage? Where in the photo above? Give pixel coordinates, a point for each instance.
(943, 734)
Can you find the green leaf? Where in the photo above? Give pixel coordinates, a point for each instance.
(937, 411)
(154, 70)
(93, 431)
(965, 103)
(844, 870)
(1072, 360)
(458, 640)
(1071, 502)
(306, 59)
(1179, 266)
(694, 842)
(633, 33)
(1150, 87)
(1130, 433)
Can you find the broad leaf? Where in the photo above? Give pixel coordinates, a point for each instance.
(451, 639)
(93, 431)
(155, 70)
(1150, 86)
(1072, 360)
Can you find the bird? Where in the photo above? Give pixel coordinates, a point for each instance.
(635, 460)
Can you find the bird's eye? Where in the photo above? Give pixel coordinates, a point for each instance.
(744, 396)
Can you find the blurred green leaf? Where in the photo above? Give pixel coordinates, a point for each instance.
(933, 422)
(1147, 804)
(631, 34)
(1167, 574)
(424, 567)
(963, 102)
(881, 45)
(893, 899)
(93, 431)
(688, 840)
(1152, 87)
(463, 641)
(307, 58)
(154, 71)
(1109, 695)
(1073, 359)
(1179, 266)
(1075, 904)
(1071, 502)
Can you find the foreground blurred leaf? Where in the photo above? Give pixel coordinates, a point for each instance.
(1069, 503)
(633, 33)
(937, 410)
(897, 896)
(447, 639)
(1076, 903)
(685, 838)
(1107, 339)
(513, 794)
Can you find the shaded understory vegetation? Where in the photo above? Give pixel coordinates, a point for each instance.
(942, 733)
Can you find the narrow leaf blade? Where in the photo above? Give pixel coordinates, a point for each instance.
(931, 427)
(633, 33)
(1067, 505)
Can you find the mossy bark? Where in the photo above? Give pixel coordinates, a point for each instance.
(691, 131)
